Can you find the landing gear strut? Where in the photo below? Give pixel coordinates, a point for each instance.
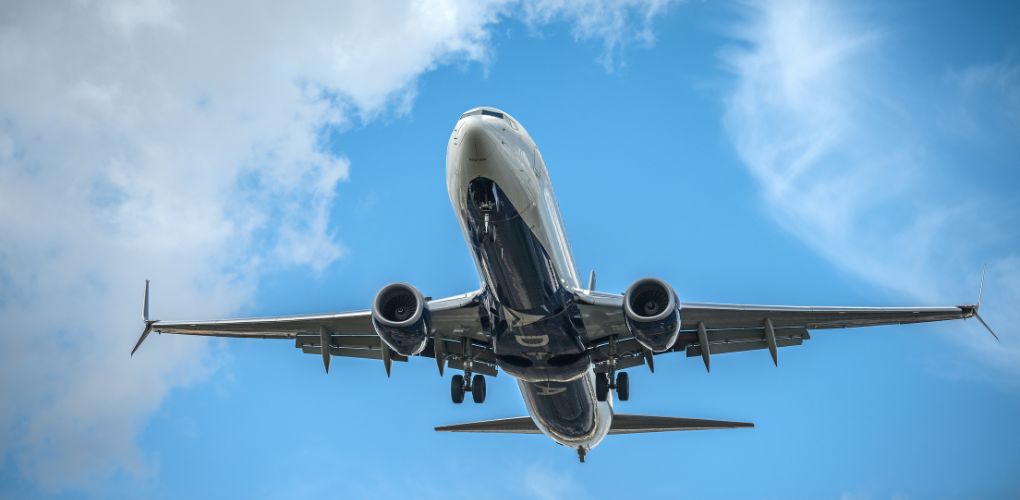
(459, 384)
(604, 382)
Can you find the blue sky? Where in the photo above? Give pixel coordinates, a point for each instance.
(260, 161)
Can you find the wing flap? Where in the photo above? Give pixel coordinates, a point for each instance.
(476, 367)
(353, 352)
(741, 346)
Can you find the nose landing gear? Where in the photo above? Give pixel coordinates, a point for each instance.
(475, 385)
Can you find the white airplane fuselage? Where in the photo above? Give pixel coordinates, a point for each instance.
(532, 318)
(501, 192)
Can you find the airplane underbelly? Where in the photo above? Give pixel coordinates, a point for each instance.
(568, 412)
(536, 328)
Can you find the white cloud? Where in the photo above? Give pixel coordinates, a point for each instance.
(858, 160)
(178, 142)
(144, 140)
(615, 23)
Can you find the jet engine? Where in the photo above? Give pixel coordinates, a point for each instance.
(401, 318)
(652, 313)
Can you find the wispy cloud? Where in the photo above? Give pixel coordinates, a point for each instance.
(179, 142)
(617, 24)
(863, 162)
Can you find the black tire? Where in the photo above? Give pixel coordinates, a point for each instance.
(623, 386)
(457, 389)
(601, 386)
(478, 389)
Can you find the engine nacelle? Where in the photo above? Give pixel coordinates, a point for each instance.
(401, 318)
(652, 313)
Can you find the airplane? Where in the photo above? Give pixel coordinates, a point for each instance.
(566, 344)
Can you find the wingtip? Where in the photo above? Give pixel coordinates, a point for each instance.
(989, 328)
(145, 303)
(981, 287)
(973, 310)
(141, 338)
(145, 319)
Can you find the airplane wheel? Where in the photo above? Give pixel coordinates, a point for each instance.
(601, 386)
(623, 386)
(478, 389)
(457, 389)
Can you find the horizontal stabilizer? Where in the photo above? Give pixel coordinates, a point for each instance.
(622, 424)
(634, 424)
(514, 425)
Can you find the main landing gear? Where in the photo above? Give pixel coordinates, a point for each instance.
(604, 383)
(475, 385)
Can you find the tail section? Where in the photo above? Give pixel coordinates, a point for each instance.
(622, 424)
(515, 425)
(636, 424)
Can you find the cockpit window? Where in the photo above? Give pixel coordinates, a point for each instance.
(485, 112)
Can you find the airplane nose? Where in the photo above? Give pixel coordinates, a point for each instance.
(476, 139)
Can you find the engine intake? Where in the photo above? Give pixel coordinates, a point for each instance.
(401, 318)
(652, 313)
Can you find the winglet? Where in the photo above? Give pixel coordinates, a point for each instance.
(145, 303)
(981, 287)
(978, 316)
(145, 318)
(977, 306)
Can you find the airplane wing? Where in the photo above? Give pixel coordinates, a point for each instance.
(456, 333)
(708, 328)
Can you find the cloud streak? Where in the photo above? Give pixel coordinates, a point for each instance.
(616, 24)
(180, 142)
(872, 168)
